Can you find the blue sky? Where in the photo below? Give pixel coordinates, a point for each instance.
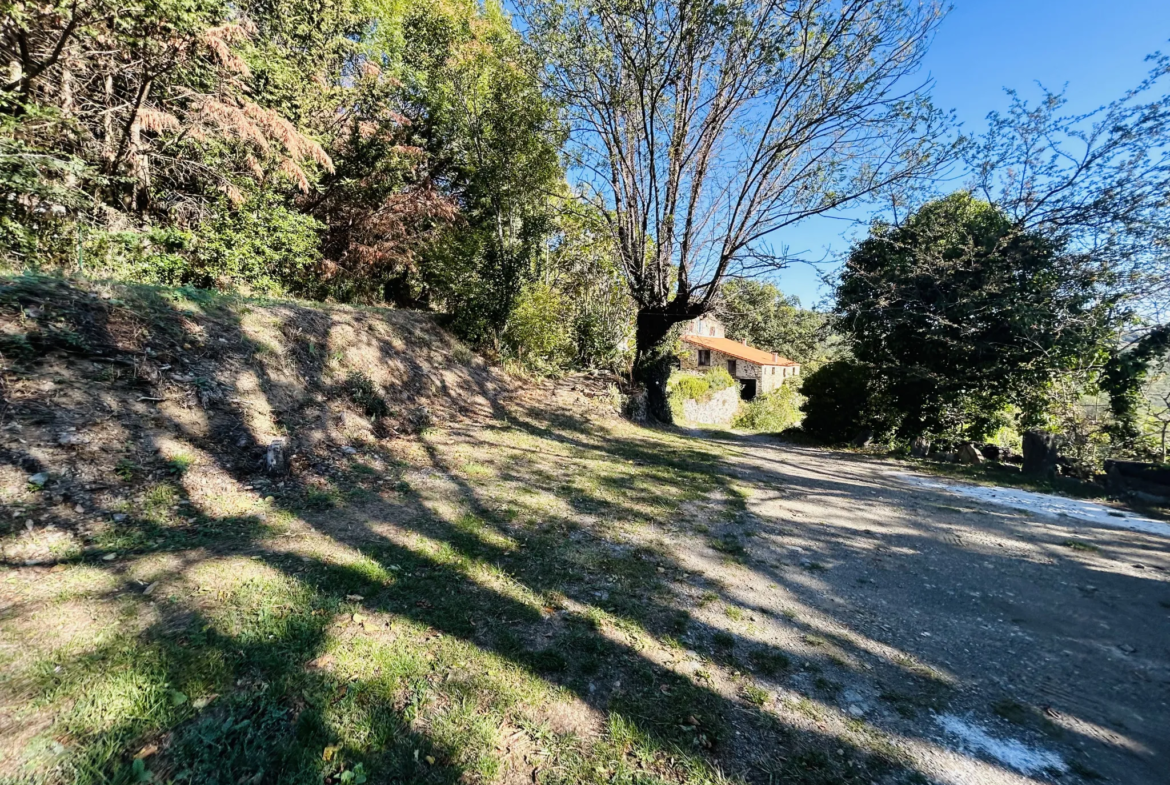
(1097, 47)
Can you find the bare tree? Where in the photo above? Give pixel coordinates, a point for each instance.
(1096, 184)
(699, 128)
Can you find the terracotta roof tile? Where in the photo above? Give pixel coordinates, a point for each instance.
(738, 350)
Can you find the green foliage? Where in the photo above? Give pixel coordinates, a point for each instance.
(1123, 379)
(759, 313)
(356, 150)
(363, 392)
(153, 255)
(537, 332)
(700, 387)
(690, 387)
(264, 246)
(772, 412)
(695, 387)
(960, 314)
(840, 401)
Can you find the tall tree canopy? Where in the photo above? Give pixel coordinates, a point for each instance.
(959, 314)
(698, 128)
(759, 313)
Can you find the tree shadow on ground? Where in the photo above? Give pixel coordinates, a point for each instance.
(361, 594)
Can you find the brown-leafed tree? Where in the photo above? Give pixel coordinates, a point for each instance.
(152, 99)
(700, 128)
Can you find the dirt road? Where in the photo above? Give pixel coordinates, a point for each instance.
(993, 645)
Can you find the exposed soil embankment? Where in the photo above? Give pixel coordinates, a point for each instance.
(107, 388)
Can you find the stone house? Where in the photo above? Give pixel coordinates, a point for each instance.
(758, 372)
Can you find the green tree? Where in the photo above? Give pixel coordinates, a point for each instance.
(959, 314)
(493, 140)
(759, 313)
(842, 398)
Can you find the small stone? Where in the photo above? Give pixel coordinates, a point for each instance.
(39, 479)
(29, 524)
(349, 450)
(109, 557)
(856, 710)
(149, 590)
(276, 459)
(807, 564)
(79, 509)
(1125, 647)
(119, 517)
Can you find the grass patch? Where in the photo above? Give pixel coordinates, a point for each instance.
(757, 696)
(769, 663)
(1025, 716)
(1077, 545)
(365, 394)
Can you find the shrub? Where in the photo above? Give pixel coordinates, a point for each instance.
(265, 246)
(536, 334)
(840, 402)
(151, 255)
(690, 387)
(695, 387)
(773, 412)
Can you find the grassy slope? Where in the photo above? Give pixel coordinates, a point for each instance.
(482, 601)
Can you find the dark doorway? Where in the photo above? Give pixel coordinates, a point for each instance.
(747, 389)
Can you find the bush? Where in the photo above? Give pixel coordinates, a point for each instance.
(152, 255)
(773, 412)
(695, 387)
(690, 387)
(264, 246)
(840, 402)
(536, 334)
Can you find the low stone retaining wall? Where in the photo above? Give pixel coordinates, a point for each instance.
(719, 409)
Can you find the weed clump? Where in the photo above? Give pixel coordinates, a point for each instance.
(364, 393)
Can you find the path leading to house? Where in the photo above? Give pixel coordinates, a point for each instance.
(993, 644)
(543, 592)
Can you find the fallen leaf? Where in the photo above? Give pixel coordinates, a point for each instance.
(204, 701)
(147, 751)
(430, 760)
(328, 753)
(149, 590)
(354, 597)
(358, 618)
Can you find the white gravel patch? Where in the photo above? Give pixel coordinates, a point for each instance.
(1009, 752)
(1047, 504)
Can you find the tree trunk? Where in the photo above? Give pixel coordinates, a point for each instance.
(653, 359)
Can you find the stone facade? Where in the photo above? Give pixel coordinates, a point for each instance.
(719, 409)
(707, 347)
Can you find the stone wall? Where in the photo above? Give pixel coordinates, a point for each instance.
(719, 409)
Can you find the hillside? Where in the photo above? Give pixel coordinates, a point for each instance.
(459, 576)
